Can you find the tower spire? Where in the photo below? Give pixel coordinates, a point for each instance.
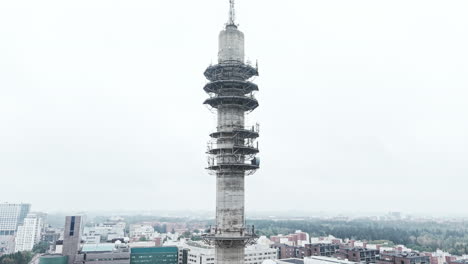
(232, 13)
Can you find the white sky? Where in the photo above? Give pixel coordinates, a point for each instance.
(363, 104)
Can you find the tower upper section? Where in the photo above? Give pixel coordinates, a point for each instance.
(233, 148)
(231, 40)
(231, 45)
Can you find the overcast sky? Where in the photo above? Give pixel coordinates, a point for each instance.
(363, 104)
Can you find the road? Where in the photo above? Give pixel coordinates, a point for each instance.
(35, 259)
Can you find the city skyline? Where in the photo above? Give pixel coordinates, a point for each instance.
(363, 103)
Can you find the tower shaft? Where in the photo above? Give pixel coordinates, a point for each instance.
(232, 150)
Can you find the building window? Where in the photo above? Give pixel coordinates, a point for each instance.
(72, 226)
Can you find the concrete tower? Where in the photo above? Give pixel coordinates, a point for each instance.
(72, 237)
(232, 150)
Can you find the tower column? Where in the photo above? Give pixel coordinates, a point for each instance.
(230, 204)
(232, 255)
(233, 148)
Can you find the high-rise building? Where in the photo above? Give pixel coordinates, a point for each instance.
(11, 216)
(29, 233)
(72, 237)
(232, 151)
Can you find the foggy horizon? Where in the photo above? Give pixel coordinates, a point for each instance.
(362, 105)
(262, 214)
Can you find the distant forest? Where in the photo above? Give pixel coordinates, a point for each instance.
(421, 236)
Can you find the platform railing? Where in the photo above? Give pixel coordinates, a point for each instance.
(248, 143)
(237, 160)
(248, 96)
(253, 128)
(246, 231)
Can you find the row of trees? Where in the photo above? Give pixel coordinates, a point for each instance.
(17, 258)
(25, 256)
(422, 236)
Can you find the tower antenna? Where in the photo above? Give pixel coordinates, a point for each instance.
(232, 13)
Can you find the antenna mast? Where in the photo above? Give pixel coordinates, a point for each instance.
(232, 13)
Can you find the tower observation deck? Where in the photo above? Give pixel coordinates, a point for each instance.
(233, 147)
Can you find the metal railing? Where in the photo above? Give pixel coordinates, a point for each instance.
(248, 231)
(234, 160)
(248, 143)
(248, 96)
(253, 128)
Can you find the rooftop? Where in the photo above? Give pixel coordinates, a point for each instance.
(403, 254)
(53, 256)
(328, 260)
(98, 247)
(360, 249)
(290, 260)
(155, 250)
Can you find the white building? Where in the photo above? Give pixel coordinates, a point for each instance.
(199, 253)
(137, 231)
(264, 241)
(108, 231)
(256, 254)
(142, 244)
(170, 236)
(29, 233)
(325, 240)
(91, 239)
(11, 216)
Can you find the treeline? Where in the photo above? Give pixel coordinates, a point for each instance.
(422, 236)
(17, 258)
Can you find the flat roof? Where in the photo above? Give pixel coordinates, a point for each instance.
(291, 260)
(403, 254)
(98, 247)
(155, 250)
(53, 256)
(330, 259)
